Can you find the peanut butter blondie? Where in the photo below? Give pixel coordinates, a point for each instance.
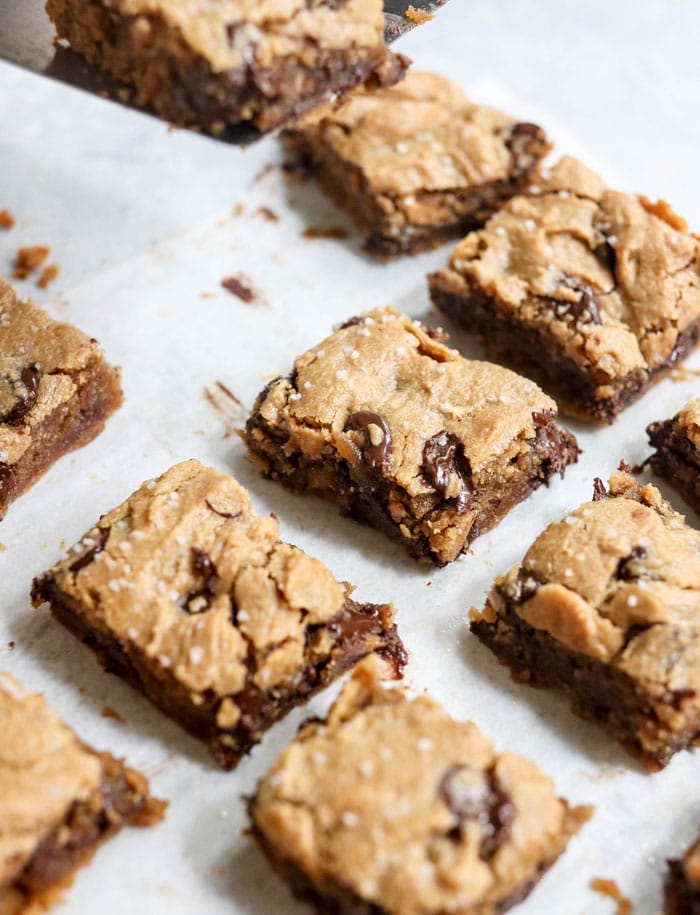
(677, 455)
(419, 163)
(606, 605)
(408, 435)
(391, 807)
(191, 596)
(593, 292)
(56, 392)
(59, 800)
(212, 65)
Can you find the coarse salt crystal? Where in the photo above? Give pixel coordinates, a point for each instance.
(341, 374)
(243, 616)
(196, 654)
(424, 744)
(500, 230)
(632, 600)
(530, 225)
(349, 818)
(307, 385)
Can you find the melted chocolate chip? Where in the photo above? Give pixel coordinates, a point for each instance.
(549, 439)
(625, 567)
(220, 513)
(435, 333)
(443, 458)
(473, 798)
(586, 308)
(30, 379)
(203, 564)
(607, 255)
(351, 322)
(522, 588)
(82, 561)
(199, 600)
(257, 708)
(599, 490)
(376, 455)
(543, 417)
(525, 141)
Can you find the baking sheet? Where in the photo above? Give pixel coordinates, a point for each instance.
(142, 224)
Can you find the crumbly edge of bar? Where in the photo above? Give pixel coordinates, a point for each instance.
(341, 900)
(681, 897)
(390, 235)
(122, 799)
(179, 84)
(520, 346)
(296, 472)
(676, 460)
(374, 631)
(598, 690)
(68, 427)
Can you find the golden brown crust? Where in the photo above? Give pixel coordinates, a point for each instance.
(397, 806)
(615, 280)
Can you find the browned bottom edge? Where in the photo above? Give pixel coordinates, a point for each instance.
(599, 691)
(122, 799)
(340, 900)
(180, 85)
(681, 897)
(521, 348)
(358, 630)
(68, 427)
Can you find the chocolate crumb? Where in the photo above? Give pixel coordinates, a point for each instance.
(418, 17)
(109, 712)
(29, 259)
(48, 274)
(11, 645)
(220, 513)
(610, 888)
(443, 459)
(7, 220)
(227, 405)
(599, 490)
(267, 213)
(240, 285)
(337, 232)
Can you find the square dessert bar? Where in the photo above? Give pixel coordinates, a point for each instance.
(682, 888)
(213, 64)
(56, 392)
(59, 800)
(408, 435)
(677, 455)
(606, 605)
(392, 807)
(191, 596)
(592, 292)
(419, 163)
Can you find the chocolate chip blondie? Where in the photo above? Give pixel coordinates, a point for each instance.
(594, 293)
(606, 605)
(56, 392)
(191, 596)
(59, 800)
(677, 455)
(419, 163)
(392, 807)
(212, 65)
(408, 435)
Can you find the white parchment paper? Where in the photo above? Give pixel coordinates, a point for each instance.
(142, 223)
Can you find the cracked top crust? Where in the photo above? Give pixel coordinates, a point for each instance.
(615, 277)
(235, 33)
(422, 135)
(40, 364)
(395, 802)
(44, 770)
(381, 387)
(618, 580)
(186, 572)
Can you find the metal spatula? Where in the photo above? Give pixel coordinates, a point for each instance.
(27, 39)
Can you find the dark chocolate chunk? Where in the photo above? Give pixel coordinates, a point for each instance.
(586, 308)
(375, 456)
(351, 322)
(607, 255)
(199, 600)
(30, 379)
(82, 561)
(443, 457)
(469, 797)
(543, 417)
(626, 570)
(203, 564)
(549, 437)
(524, 142)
